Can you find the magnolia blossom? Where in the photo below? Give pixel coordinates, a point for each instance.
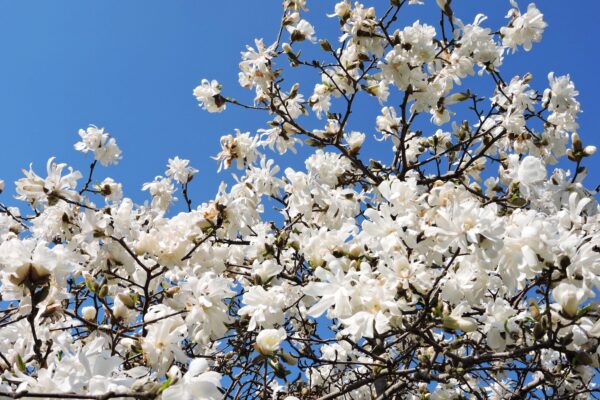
(531, 170)
(36, 189)
(208, 94)
(162, 191)
(88, 313)
(99, 142)
(111, 190)
(268, 341)
(180, 170)
(569, 297)
(302, 30)
(453, 252)
(162, 344)
(197, 383)
(524, 29)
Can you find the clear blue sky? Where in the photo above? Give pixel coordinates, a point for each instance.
(131, 65)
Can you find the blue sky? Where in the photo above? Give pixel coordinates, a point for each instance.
(130, 66)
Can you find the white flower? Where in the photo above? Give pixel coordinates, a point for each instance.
(303, 30)
(269, 340)
(265, 308)
(99, 142)
(89, 313)
(111, 190)
(162, 190)
(387, 122)
(266, 269)
(55, 187)
(569, 297)
(531, 170)
(320, 101)
(255, 68)
(464, 324)
(523, 28)
(123, 308)
(355, 141)
(478, 44)
(205, 300)
(180, 170)
(208, 93)
(364, 324)
(241, 148)
(162, 344)
(198, 383)
(342, 9)
(334, 289)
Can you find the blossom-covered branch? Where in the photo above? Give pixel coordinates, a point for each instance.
(462, 262)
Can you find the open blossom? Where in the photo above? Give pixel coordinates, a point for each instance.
(256, 68)
(561, 100)
(342, 9)
(198, 383)
(266, 269)
(302, 30)
(99, 142)
(355, 141)
(390, 258)
(523, 28)
(388, 122)
(111, 190)
(180, 170)
(334, 292)
(35, 260)
(531, 170)
(162, 344)
(320, 101)
(35, 189)
(265, 308)
(241, 148)
(208, 93)
(161, 190)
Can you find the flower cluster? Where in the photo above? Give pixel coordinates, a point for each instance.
(464, 262)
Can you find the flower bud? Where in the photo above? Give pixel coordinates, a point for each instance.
(120, 310)
(268, 340)
(534, 310)
(457, 98)
(287, 48)
(127, 300)
(568, 297)
(103, 292)
(325, 45)
(463, 324)
(577, 145)
(288, 359)
(89, 313)
(589, 150)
